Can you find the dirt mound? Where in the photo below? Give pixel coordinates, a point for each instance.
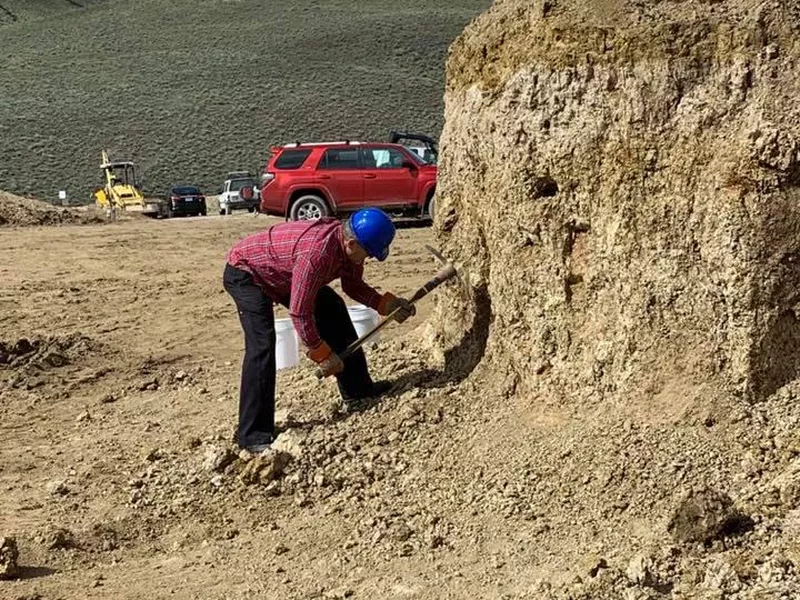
(624, 181)
(25, 363)
(44, 353)
(16, 211)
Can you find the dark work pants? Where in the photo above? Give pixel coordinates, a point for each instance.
(257, 390)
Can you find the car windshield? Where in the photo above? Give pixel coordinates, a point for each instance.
(238, 184)
(186, 191)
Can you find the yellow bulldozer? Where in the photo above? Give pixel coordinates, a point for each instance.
(121, 190)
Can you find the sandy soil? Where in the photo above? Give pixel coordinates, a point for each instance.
(133, 361)
(120, 478)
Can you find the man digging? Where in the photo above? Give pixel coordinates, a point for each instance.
(291, 264)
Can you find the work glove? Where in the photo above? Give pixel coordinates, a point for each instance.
(389, 303)
(327, 360)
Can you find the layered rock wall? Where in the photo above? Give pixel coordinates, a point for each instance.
(624, 181)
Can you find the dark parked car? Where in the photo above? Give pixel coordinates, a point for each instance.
(185, 200)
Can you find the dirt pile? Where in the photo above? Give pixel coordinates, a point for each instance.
(16, 211)
(44, 353)
(26, 363)
(623, 180)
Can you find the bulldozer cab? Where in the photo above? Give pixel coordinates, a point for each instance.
(120, 189)
(121, 172)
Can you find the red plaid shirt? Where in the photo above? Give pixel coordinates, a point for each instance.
(292, 261)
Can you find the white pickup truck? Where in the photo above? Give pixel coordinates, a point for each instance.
(230, 200)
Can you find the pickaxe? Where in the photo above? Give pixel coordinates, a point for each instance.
(446, 273)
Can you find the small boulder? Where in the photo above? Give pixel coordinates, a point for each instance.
(9, 555)
(266, 467)
(290, 442)
(216, 458)
(720, 578)
(284, 419)
(108, 399)
(57, 487)
(639, 570)
(703, 515)
(57, 538)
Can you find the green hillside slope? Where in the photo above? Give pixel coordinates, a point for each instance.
(191, 89)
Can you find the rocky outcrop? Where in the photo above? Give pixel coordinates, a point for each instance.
(626, 180)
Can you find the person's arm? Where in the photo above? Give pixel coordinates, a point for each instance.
(353, 285)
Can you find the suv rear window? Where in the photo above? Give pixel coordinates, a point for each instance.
(292, 159)
(185, 191)
(238, 184)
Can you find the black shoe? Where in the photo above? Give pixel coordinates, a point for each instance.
(378, 388)
(258, 448)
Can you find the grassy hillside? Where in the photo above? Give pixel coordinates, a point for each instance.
(190, 89)
(12, 11)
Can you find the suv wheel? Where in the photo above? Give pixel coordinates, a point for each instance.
(308, 207)
(431, 210)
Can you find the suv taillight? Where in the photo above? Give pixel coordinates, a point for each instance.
(266, 178)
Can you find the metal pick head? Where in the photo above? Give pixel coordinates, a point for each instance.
(463, 283)
(437, 254)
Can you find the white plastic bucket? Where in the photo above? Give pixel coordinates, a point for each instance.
(364, 320)
(287, 348)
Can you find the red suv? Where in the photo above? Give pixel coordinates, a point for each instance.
(309, 181)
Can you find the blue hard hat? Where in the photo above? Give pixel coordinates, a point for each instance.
(373, 230)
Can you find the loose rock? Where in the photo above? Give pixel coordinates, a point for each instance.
(57, 487)
(217, 459)
(266, 467)
(9, 555)
(702, 516)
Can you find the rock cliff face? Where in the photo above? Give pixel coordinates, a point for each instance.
(624, 179)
